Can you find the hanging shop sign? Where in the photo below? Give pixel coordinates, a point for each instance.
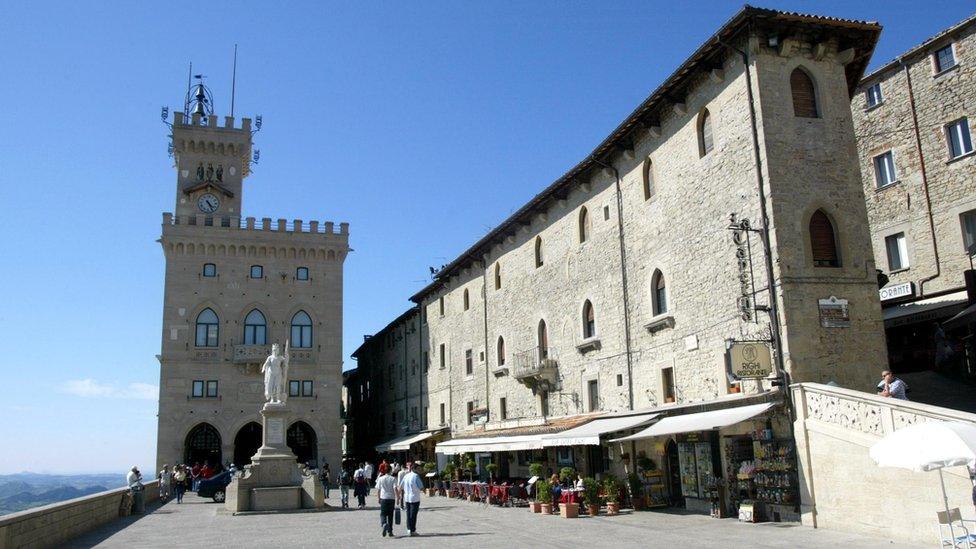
(750, 359)
(834, 313)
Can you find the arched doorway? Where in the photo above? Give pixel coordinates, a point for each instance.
(202, 444)
(246, 443)
(303, 442)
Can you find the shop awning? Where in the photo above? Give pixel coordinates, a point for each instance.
(922, 310)
(967, 315)
(702, 421)
(589, 433)
(490, 444)
(402, 444)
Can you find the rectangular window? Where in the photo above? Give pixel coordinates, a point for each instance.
(197, 389)
(209, 270)
(960, 141)
(593, 390)
(443, 357)
(468, 362)
(470, 410)
(968, 222)
(667, 384)
(945, 59)
(441, 302)
(211, 389)
(423, 420)
(884, 169)
(294, 388)
(606, 213)
(301, 273)
(257, 271)
(620, 380)
(873, 95)
(502, 408)
(307, 388)
(442, 414)
(897, 247)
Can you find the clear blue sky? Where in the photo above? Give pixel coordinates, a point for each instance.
(421, 124)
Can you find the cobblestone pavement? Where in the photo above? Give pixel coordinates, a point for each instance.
(447, 522)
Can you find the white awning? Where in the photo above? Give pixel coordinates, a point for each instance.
(402, 444)
(489, 444)
(921, 310)
(702, 421)
(589, 433)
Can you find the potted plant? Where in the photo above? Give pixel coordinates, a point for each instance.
(492, 468)
(535, 469)
(471, 465)
(611, 487)
(591, 496)
(567, 474)
(636, 491)
(543, 494)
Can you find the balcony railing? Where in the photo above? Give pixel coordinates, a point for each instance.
(536, 366)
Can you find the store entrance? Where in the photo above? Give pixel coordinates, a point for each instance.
(674, 474)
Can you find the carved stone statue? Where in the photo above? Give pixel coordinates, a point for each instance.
(275, 370)
(220, 173)
(210, 172)
(200, 172)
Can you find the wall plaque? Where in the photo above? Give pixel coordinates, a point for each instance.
(834, 313)
(276, 430)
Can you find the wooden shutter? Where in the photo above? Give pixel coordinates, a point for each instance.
(822, 241)
(804, 97)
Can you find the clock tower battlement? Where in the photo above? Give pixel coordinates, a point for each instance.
(211, 164)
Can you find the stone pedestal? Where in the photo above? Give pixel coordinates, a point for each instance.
(274, 480)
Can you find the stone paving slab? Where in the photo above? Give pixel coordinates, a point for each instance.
(445, 522)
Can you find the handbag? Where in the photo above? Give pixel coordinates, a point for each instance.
(396, 515)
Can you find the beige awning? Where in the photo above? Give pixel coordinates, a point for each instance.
(402, 444)
(589, 434)
(489, 444)
(702, 421)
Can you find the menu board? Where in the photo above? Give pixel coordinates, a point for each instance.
(689, 471)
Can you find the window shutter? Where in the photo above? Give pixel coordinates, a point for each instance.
(822, 241)
(804, 97)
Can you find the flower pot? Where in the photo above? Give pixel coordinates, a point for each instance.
(594, 510)
(535, 507)
(613, 508)
(546, 508)
(569, 510)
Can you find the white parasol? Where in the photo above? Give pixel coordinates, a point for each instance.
(929, 446)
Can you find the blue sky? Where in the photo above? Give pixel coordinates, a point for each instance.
(421, 124)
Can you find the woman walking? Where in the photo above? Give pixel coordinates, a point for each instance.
(179, 482)
(386, 493)
(165, 481)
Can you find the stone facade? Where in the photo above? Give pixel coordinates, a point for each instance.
(210, 257)
(657, 205)
(932, 189)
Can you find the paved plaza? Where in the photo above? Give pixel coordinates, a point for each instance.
(445, 522)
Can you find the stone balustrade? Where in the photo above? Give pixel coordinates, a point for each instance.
(52, 525)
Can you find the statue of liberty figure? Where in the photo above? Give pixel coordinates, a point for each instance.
(275, 370)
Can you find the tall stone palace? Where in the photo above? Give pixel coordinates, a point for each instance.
(234, 286)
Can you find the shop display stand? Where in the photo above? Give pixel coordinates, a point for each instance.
(654, 489)
(742, 487)
(775, 480)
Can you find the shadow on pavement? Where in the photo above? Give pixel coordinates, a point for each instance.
(102, 533)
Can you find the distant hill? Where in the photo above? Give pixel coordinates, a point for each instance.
(26, 490)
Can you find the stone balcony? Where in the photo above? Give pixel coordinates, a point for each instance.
(536, 367)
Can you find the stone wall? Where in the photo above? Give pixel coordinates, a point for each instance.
(903, 206)
(842, 488)
(54, 524)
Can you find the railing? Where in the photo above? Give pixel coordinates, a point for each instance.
(255, 224)
(536, 364)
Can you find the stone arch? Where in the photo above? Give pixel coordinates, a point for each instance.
(246, 443)
(302, 253)
(191, 248)
(302, 440)
(332, 254)
(202, 443)
(179, 248)
(222, 250)
(211, 250)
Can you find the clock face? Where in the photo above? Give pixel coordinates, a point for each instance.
(208, 203)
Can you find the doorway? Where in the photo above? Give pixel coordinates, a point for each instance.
(303, 442)
(202, 445)
(246, 443)
(674, 474)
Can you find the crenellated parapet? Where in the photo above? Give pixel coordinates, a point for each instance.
(266, 224)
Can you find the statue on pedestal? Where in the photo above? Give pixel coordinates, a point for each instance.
(275, 370)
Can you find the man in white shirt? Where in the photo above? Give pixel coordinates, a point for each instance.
(368, 471)
(410, 487)
(134, 478)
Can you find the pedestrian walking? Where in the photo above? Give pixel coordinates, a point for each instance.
(360, 488)
(386, 493)
(179, 482)
(345, 479)
(409, 488)
(324, 478)
(368, 471)
(165, 483)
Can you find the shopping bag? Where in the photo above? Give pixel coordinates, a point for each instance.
(396, 515)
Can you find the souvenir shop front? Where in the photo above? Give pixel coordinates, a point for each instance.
(732, 462)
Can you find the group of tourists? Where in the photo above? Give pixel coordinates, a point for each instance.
(182, 477)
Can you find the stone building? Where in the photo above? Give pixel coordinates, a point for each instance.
(911, 118)
(612, 298)
(233, 286)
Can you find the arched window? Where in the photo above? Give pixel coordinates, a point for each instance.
(498, 276)
(255, 328)
(659, 294)
(589, 322)
(584, 225)
(208, 327)
(804, 94)
(648, 179)
(467, 300)
(301, 330)
(704, 133)
(822, 241)
(538, 251)
(543, 340)
(301, 438)
(501, 351)
(202, 444)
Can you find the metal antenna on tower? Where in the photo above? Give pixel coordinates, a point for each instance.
(186, 100)
(233, 83)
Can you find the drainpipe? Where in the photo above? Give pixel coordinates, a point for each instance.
(925, 181)
(484, 303)
(623, 279)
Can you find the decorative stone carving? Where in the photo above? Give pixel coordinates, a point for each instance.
(855, 415)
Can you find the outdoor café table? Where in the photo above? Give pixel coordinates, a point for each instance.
(569, 496)
(499, 494)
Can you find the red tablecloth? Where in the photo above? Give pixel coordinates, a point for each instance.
(569, 496)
